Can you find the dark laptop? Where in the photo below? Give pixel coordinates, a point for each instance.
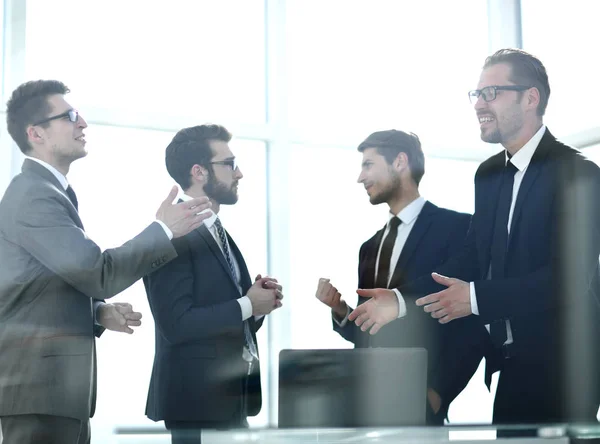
(368, 387)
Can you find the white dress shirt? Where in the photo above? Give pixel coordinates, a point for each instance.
(408, 215)
(521, 161)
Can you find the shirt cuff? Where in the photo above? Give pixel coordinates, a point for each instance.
(96, 305)
(168, 232)
(473, 296)
(401, 303)
(344, 321)
(246, 307)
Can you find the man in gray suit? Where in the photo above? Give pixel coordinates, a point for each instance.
(53, 278)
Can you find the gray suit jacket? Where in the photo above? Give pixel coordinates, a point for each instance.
(50, 274)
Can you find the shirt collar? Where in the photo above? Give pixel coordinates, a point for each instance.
(410, 212)
(209, 222)
(523, 157)
(59, 176)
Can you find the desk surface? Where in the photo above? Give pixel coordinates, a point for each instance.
(556, 434)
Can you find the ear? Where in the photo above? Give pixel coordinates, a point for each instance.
(533, 98)
(199, 172)
(401, 161)
(34, 134)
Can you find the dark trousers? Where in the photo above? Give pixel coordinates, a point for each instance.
(47, 429)
(190, 432)
(532, 393)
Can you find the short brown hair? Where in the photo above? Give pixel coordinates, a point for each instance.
(28, 104)
(392, 142)
(189, 147)
(526, 69)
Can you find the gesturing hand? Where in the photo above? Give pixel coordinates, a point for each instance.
(380, 310)
(183, 217)
(118, 316)
(452, 303)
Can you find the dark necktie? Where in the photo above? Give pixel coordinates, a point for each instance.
(500, 243)
(73, 197)
(385, 258)
(250, 345)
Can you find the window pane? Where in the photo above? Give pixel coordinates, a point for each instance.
(179, 57)
(379, 64)
(570, 57)
(120, 186)
(592, 153)
(449, 183)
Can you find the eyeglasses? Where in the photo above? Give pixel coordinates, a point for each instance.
(231, 163)
(489, 92)
(72, 114)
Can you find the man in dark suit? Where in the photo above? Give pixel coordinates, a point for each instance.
(53, 277)
(529, 267)
(417, 238)
(206, 373)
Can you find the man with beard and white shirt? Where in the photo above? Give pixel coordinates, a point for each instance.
(206, 373)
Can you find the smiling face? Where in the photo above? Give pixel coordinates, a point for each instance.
(501, 120)
(59, 141)
(379, 178)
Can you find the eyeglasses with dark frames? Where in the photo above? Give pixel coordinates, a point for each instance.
(489, 92)
(72, 114)
(231, 163)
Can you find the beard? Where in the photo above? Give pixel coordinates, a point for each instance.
(389, 192)
(492, 137)
(219, 192)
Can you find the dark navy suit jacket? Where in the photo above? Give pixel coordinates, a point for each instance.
(438, 233)
(199, 373)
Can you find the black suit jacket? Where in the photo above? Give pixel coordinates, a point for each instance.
(550, 293)
(438, 233)
(199, 373)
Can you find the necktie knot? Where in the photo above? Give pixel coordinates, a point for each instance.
(394, 222)
(510, 169)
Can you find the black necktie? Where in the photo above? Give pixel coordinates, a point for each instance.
(500, 243)
(73, 197)
(385, 258)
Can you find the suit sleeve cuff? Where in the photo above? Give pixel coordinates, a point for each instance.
(473, 296)
(168, 232)
(246, 307)
(401, 303)
(344, 321)
(96, 305)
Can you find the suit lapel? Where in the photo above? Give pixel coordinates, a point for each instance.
(368, 271)
(493, 182)
(245, 280)
(532, 173)
(30, 166)
(207, 237)
(421, 226)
